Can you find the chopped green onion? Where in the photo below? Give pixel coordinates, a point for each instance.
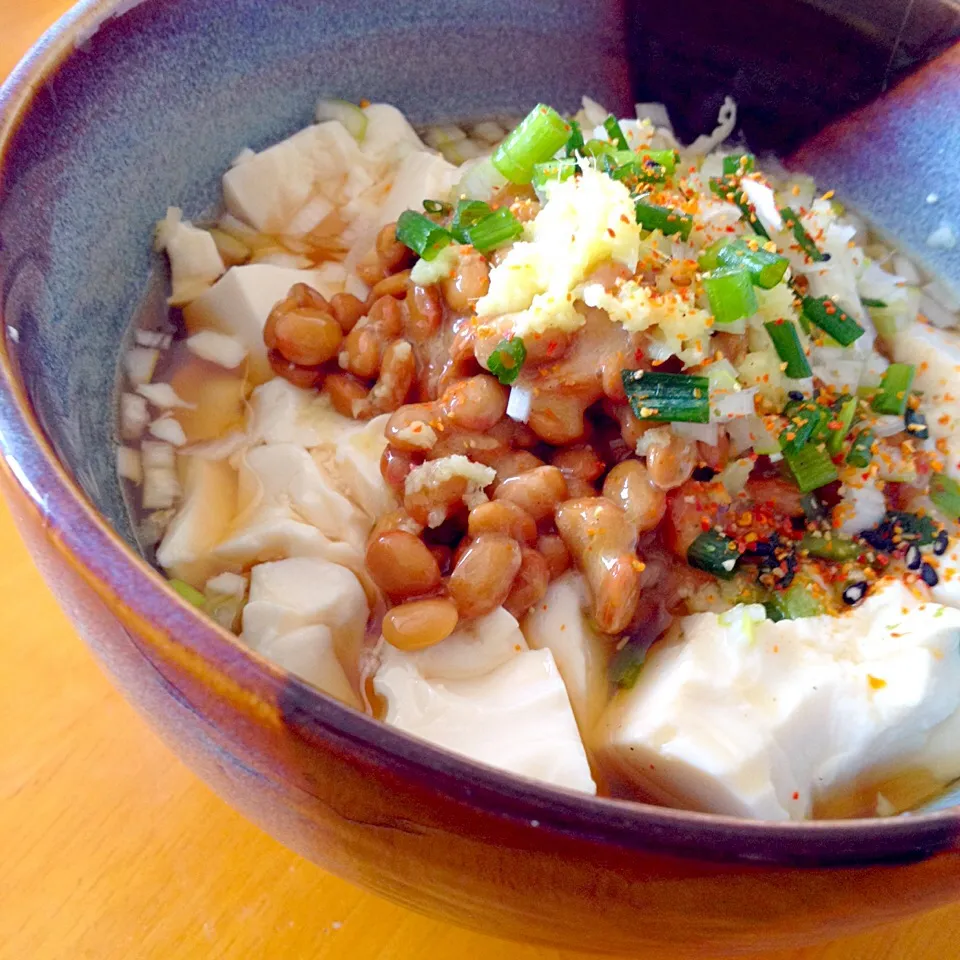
(894, 389)
(495, 230)
(627, 664)
(598, 148)
(845, 414)
(807, 422)
(709, 259)
(786, 341)
(537, 137)
(861, 450)
(830, 548)
(811, 467)
(797, 602)
(730, 293)
(773, 612)
(667, 221)
(899, 528)
(661, 158)
(421, 235)
(559, 170)
(575, 140)
(728, 189)
(945, 494)
(190, 594)
(876, 304)
(714, 553)
(437, 206)
(826, 315)
(615, 133)
(813, 508)
(766, 269)
(507, 360)
(668, 397)
(803, 238)
(468, 214)
(735, 165)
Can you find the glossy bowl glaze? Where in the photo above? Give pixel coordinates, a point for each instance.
(125, 107)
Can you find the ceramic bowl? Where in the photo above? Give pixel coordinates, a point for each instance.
(124, 107)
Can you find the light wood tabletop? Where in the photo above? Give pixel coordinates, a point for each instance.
(112, 850)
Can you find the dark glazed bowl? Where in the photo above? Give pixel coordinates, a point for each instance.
(125, 107)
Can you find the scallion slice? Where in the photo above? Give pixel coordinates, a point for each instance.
(598, 148)
(791, 220)
(425, 238)
(874, 304)
(507, 360)
(728, 188)
(945, 494)
(714, 553)
(190, 594)
(845, 412)
(615, 133)
(894, 389)
(838, 549)
(709, 259)
(537, 137)
(495, 230)
(575, 140)
(861, 450)
(811, 467)
(437, 206)
(798, 601)
(662, 158)
(831, 319)
(766, 269)
(650, 216)
(730, 293)
(468, 214)
(668, 397)
(559, 170)
(627, 664)
(806, 424)
(738, 164)
(786, 341)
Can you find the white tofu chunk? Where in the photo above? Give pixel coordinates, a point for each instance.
(287, 507)
(239, 303)
(474, 649)
(271, 188)
(195, 262)
(310, 654)
(347, 452)
(739, 715)
(936, 355)
(389, 137)
(309, 616)
(305, 591)
(559, 624)
(517, 717)
(210, 499)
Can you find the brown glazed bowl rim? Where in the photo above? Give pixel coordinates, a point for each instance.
(175, 630)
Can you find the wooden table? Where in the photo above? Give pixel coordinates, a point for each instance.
(110, 849)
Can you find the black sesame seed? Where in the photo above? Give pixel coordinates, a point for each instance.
(941, 543)
(795, 395)
(913, 557)
(855, 593)
(928, 575)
